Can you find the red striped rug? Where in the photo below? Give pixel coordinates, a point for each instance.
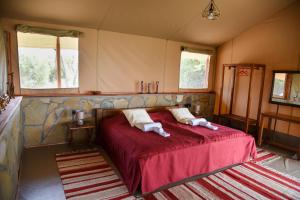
(264, 156)
(86, 175)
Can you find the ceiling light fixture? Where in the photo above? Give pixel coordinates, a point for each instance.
(211, 12)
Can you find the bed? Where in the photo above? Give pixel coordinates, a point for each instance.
(149, 161)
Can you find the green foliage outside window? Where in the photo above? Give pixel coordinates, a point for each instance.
(194, 68)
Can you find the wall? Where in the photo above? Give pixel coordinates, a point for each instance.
(45, 117)
(130, 58)
(11, 145)
(274, 42)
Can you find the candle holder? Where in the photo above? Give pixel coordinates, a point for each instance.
(142, 87)
(156, 86)
(80, 118)
(149, 88)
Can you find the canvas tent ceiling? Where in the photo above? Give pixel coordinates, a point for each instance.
(179, 20)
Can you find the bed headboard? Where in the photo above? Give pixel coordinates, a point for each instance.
(102, 113)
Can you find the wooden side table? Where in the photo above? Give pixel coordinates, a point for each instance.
(282, 117)
(89, 128)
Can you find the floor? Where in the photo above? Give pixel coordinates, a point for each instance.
(39, 179)
(287, 163)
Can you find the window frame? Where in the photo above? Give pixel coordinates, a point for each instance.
(58, 68)
(209, 74)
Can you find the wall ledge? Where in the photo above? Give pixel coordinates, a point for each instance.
(7, 114)
(110, 94)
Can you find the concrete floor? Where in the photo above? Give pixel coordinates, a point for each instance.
(287, 163)
(39, 178)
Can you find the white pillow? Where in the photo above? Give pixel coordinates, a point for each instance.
(182, 115)
(135, 116)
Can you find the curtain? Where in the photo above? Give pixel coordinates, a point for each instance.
(47, 31)
(3, 64)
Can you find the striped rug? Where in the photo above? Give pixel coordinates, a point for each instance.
(86, 175)
(264, 156)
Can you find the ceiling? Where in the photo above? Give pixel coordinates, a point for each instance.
(178, 20)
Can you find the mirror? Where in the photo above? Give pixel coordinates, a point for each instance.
(286, 88)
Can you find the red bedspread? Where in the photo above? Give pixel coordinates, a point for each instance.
(153, 161)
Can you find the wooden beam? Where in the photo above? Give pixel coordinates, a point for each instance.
(248, 101)
(262, 82)
(58, 62)
(232, 90)
(221, 92)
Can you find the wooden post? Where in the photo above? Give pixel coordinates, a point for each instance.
(275, 122)
(261, 130)
(8, 51)
(260, 95)
(232, 89)
(248, 101)
(58, 62)
(221, 93)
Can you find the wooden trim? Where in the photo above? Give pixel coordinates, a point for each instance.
(246, 65)
(221, 93)
(107, 94)
(8, 51)
(249, 100)
(232, 89)
(275, 122)
(194, 90)
(9, 111)
(288, 86)
(261, 94)
(58, 62)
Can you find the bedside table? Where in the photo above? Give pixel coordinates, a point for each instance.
(73, 127)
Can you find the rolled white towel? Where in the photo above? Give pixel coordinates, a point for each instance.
(161, 132)
(202, 122)
(145, 127)
(212, 127)
(155, 127)
(197, 122)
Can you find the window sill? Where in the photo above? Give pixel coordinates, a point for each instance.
(45, 92)
(206, 90)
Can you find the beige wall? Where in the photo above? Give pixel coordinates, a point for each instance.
(114, 62)
(274, 42)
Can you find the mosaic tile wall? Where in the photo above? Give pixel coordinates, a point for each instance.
(45, 117)
(11, 144)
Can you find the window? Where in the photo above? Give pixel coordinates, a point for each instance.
(47, 61)
(194, 70)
